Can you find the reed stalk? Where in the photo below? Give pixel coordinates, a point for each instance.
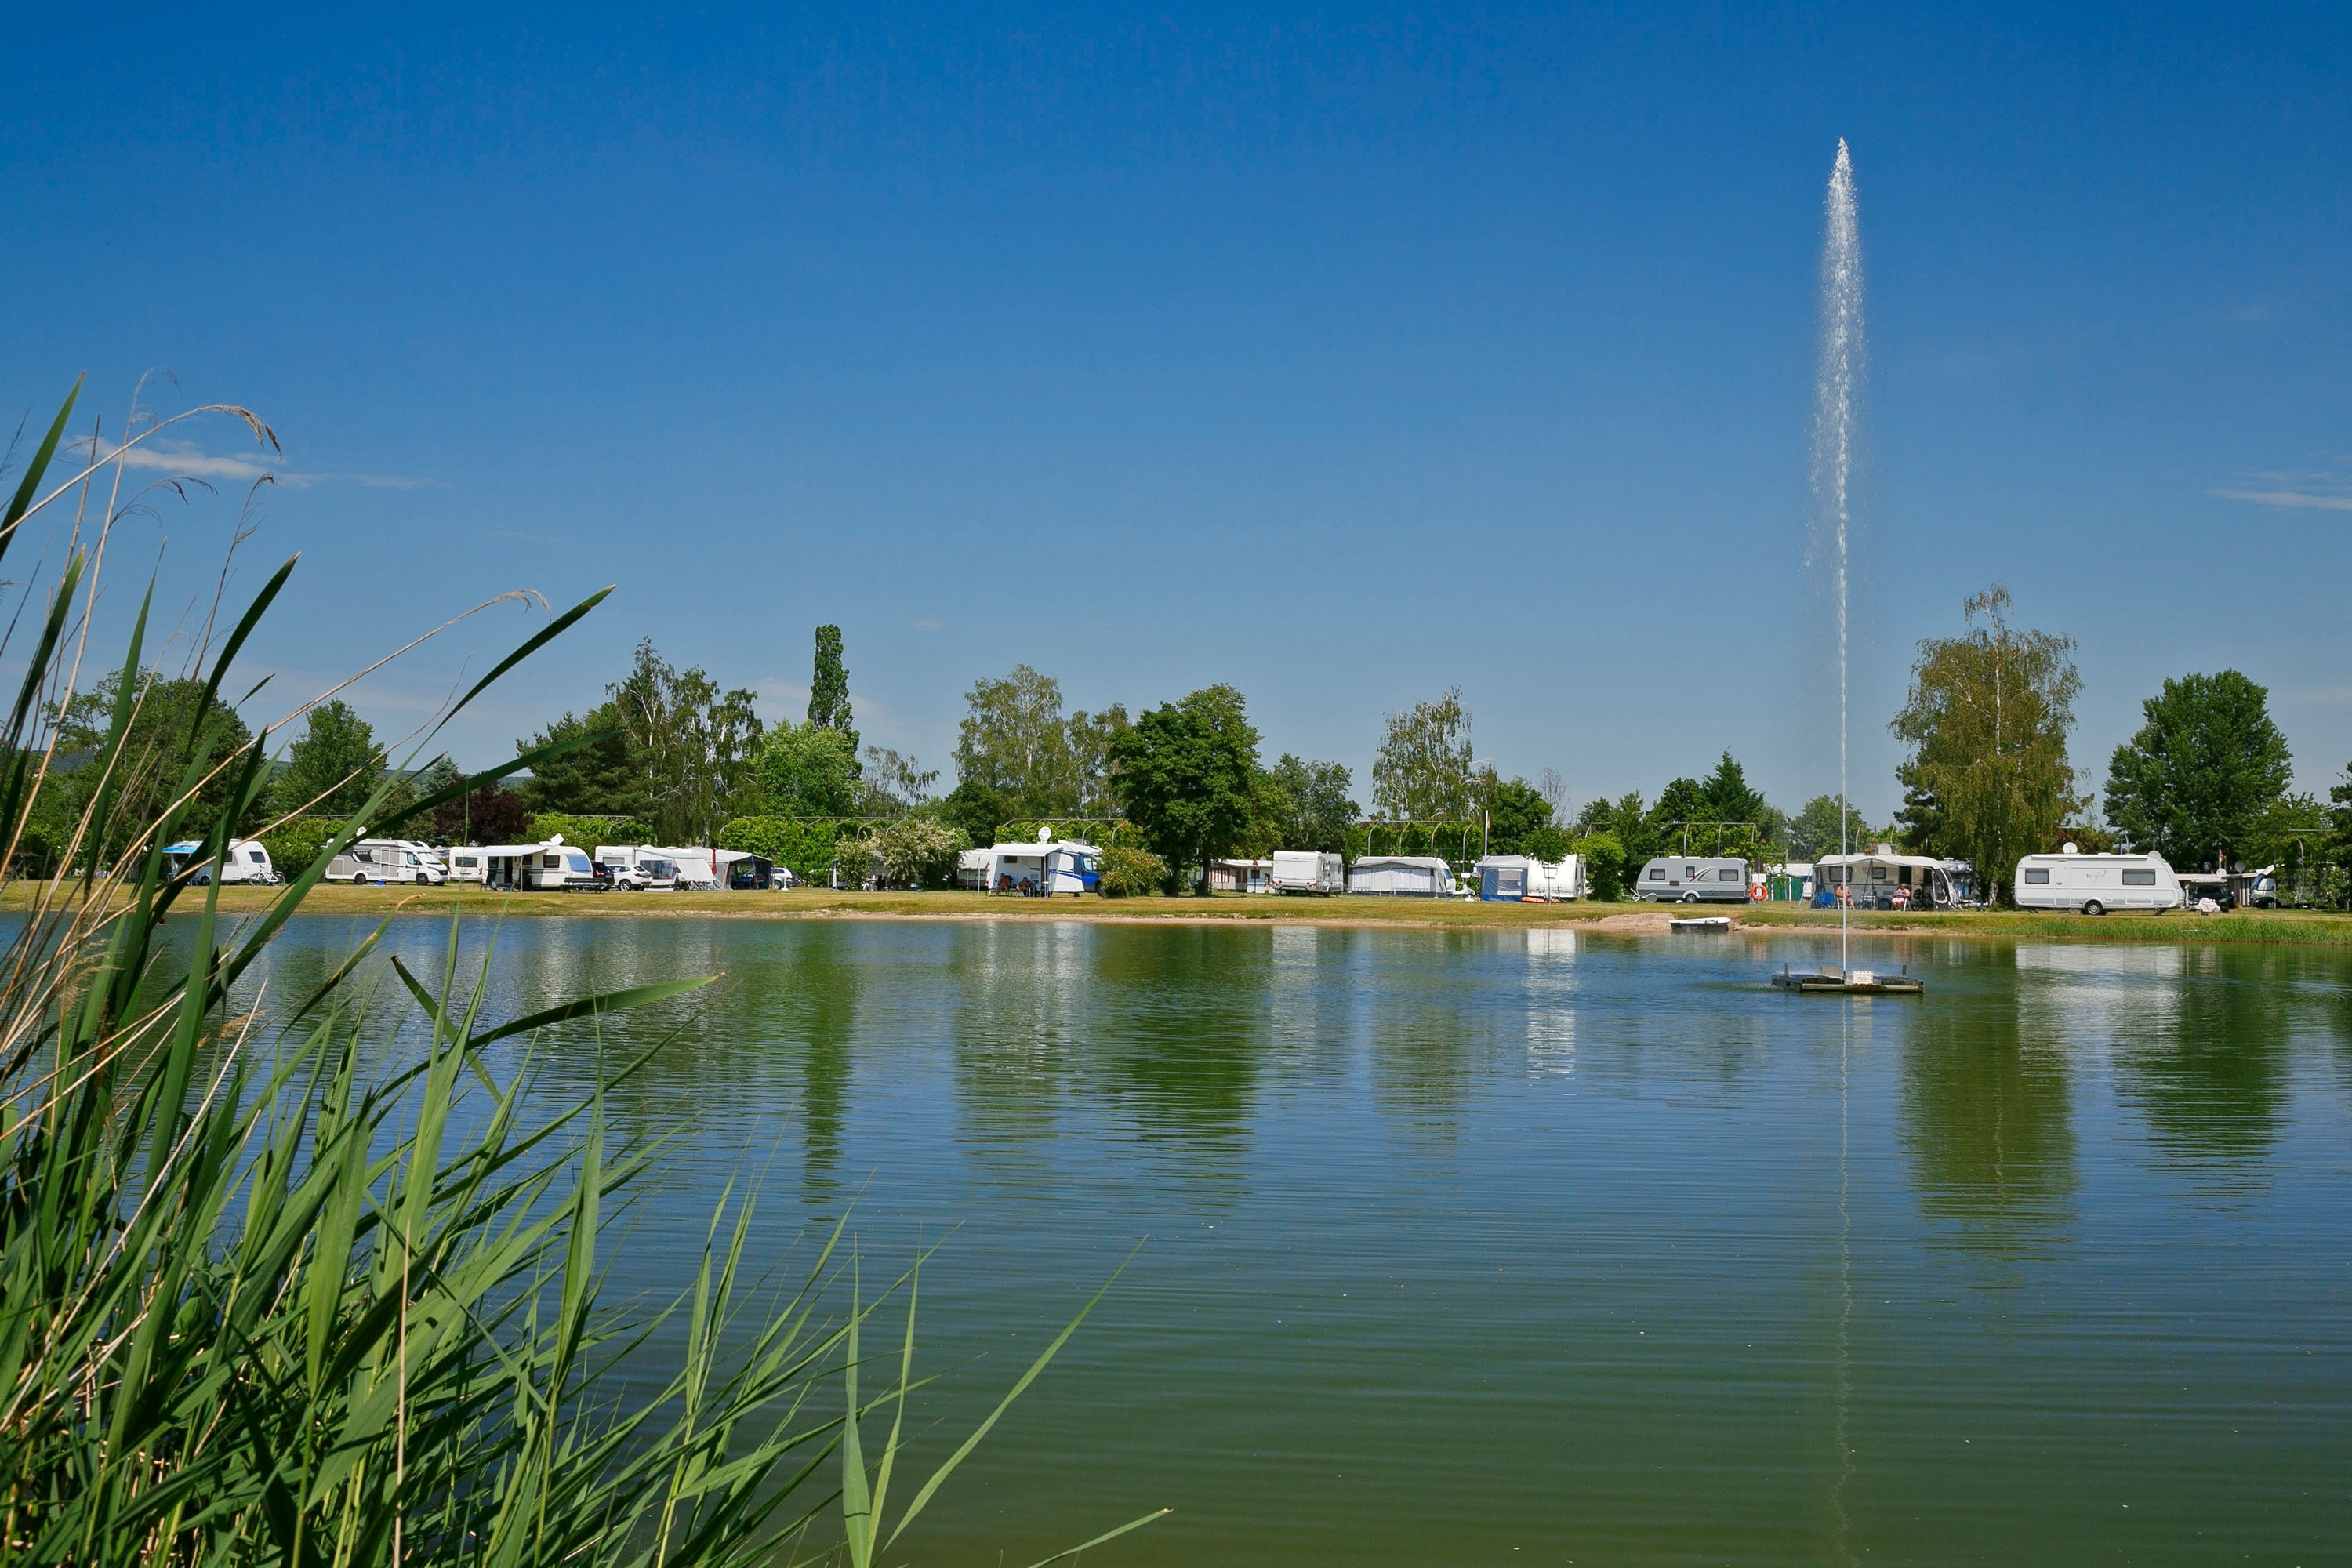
(263, 1300)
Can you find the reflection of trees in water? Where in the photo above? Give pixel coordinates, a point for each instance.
(2211, 1082)
(1986, 1120)
(1428, 1017)
(817, 1008)
(1177, 1028)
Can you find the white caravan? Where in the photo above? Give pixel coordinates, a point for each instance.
(1309, 871)
(2094, 884)
(1693, 879)
(637, 869)
(246, 861)
(1519, 877)
(1043, 870)
(1882, 880)
(1403, 876)
(389, 861)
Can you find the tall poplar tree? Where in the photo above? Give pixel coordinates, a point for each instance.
(1986, 719)
(828, 706)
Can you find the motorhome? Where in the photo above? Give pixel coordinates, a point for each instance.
(1882, 880)
(2094, 884)
(246, 861)
(1522, 878)
(637, 869)
(1309, 871)
(1403, 876)
(388, 860)
(1693, 879)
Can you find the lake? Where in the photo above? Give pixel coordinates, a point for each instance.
(1531, 1246)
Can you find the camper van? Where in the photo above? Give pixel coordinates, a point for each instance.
(635, 869)
(2094, 884)
(388, 860)
(246, 861)
(1309, 871)
(1693, 879)
(1508, 878)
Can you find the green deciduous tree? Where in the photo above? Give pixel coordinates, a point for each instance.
(336, 763)
(166, 732)
(1813, 832)
(1309, 807)
(1511, 809)
(1423, 770)
(894, 783)
(1187, 774)
(696, 747)
(2199, 779)
(1987, 721)
(807, 770)
(1014, 742)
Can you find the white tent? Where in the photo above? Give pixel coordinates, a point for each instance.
(1405, 876)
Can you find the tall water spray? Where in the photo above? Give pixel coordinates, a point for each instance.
(1834, 383)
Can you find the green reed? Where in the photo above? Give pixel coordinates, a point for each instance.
(261, 1302)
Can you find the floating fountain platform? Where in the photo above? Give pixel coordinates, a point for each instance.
(1830, 980)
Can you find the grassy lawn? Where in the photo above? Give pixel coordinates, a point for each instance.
(2263, 926)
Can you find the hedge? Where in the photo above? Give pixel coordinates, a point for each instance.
(1102, 832)
(589, 831)
(802, 844)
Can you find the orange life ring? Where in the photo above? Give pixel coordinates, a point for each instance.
(1757, 893)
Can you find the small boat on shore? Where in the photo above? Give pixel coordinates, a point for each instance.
(1701, 923)
(1830, 980)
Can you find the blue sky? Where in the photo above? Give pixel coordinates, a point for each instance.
(1343, 355)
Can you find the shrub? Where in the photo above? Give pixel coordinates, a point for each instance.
(918, 851)
(294, 844)
(1604, 865)
(1127, 873)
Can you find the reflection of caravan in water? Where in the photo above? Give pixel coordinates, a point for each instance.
(2096, 883)
(1693, 879)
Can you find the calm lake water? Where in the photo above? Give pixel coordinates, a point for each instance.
(1531, 1247)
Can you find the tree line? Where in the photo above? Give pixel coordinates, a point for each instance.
(677, 756)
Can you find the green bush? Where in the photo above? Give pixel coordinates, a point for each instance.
(1129, 873)
(918, 851)
(294, 844)
(1604, 865)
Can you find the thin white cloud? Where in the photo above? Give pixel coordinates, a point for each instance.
(184, 459)
(2311, 490)
(2291, 499)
